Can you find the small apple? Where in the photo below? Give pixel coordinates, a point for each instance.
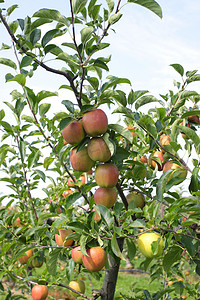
(77, 285)
(170, 283)
(179, 171)
(23, 259)
(98, 150)
(132, 130)
(95, 122)
(17, 223)
(145, 241)
(62, 268)
(153, 163)
(39, 292)
(96, 259)
(164, 141)
(137, 197)
(193, 119)
(36, 262)
(106, 175)
(73, 133)
(66, 193)
(97, 217)
(105, 196)
(143, 159)
(77, 255)
(80, 160)
(60, 238)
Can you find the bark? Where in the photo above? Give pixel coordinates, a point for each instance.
(111, 275)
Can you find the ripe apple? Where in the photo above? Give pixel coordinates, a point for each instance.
(145, 241)
(80, 160)
(193, 119)
(73, 133)
(132, 130)
(39, 292)
(71, 183)
(179, 171)
(137, 197)
(23, 259)
(78, 285)
(60, 238)
(164, 140)
(106, 175)
(96, 259)
(153, 163)
(143, 159)
(98, 150)
(95, 122)
(66, 193)
(77, 255)
(105, 196)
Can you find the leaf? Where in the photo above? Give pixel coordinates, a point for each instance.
(115, 247)
(35, 36)
(111, 5)
(149, 4)
(178, 68)
(43, 109)
(68, 59)
(138, 223)
(48, 36)
(53, 15)
(122, 131)
(94, 82)
(105, 214)
(64, 122)
(131, 248)
(172, 256)
(11, 9)
(192, 135)
(147, 123)
(161, 184)
(41, 174)
(22, 149)
(71, 199)
(52, 261)
(190, 113)
(69, 105)
(114, 81)
(45, 94)
(78, 5)
(145, 100)
(32, 157)
(86, 34)
(193, 78)
(26, 61)
(8, 62)
(99, 63)
(114, 18)
(20, 78)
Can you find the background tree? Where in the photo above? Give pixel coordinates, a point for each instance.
(126, 158)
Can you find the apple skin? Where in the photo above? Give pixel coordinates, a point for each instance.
(97, 217)
(164, 140)
(106, 175)
(77, 255)
(23, 259)
(71, 183)
(60, 238)
(66, 193)
(174, 166)
(132, 129)
(17, 223)
(98, 150)
(144, 244)
(105, 196)
(96, 259)
(153, 163)
(95, 122)
(36, 262)
(73, 133)
(137, 197)
(194, 119)
(78, 285)
(80, 161)
(39, 292)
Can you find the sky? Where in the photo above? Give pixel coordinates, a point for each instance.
(142, 47)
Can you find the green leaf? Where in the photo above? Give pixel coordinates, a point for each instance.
(52, 261)
(138, 223)
(111, 5)
(99, 63)
(45, 94)
(78, 5)
(49, 35)
(94, 82)
(53, 15)
(114, 18)
(161, 184)
(71, 199)
(172, 256)
(145, 100)
(70, 45)
(147, 123)
(122, 131)
(35, 36)
(115, 247)
(178, 68)
(11, 9)
(68, 59)
(190, 113)
(22, 149)
(194, 182)
(20, 78)
(149, 4)
(26, 61)
(193, 78)
(192, 135)
(105, 214)
(43, 109)
(8, 62)
(64, 122)
(131, 248)
(86, 34)
(69, 105)
(33, 157)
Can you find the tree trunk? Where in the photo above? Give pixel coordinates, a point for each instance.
(111, 275)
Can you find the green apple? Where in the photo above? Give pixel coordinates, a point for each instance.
(137, 197)
(145, 241)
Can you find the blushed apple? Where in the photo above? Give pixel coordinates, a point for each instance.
(60, 238)
(179, 171)
(95, 122)
(164, 141)
(39, 292)
(23, 259)
(153, 163)
(77, 255)
(80, 161)
(98, 150)
(106, 175)
(73, 133)
(77, 285)
(96, 259)
(105, 196)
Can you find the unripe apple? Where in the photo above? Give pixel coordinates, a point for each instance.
(95, 122)
(132, 130)
(60, 238)
(39, 292)
(77, 255)
(36, 262)
(96, 259)
(145, 241)
(23, 259)
(78, 285)
(106, 175)
(80, 160)
(164, 140)
(137, 197)
(153, 163)
(105, 196)
(73, 133)
(98, 150)
(179, 171)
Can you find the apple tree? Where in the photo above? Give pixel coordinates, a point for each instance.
(85, 192)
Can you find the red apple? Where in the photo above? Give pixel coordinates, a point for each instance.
(98, 150)
(73, 133)
(60, 238)
(23, 259)
(95, 122)
(66, 193)
(193, 119)
(76, 255)
(137, 197)
(153, 163)
(96, 259)
(106, 175)
(164, 140)
(143, 159)
(179, 171)
(97, 217)
(105, 196)
(80, 160)
(39, 292)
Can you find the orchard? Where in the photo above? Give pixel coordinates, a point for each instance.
(87, 195)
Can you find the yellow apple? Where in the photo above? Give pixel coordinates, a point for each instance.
(145, 241)
(78, 285)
